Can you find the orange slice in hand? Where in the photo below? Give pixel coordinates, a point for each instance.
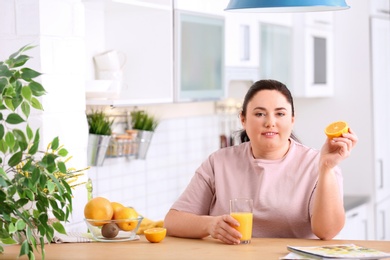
(336, 129)
(155, 235)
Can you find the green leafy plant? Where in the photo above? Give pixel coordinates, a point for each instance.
(99, 123)
(141, 120)
(35, 186)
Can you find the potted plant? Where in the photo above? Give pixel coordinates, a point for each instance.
(99, 136)
(35, 186)
(145, 124)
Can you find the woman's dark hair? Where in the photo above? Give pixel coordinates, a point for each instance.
(265, 84)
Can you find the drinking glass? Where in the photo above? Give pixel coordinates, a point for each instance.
(241, 209)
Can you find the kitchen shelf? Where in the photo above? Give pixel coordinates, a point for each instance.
(122, 148)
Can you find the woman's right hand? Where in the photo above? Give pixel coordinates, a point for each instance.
(221, 227)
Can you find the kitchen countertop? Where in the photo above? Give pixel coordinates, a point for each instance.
(181, 248)
(351, 202)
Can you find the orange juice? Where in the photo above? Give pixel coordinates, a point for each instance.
(245, 228)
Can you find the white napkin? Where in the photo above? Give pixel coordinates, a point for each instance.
(71, 237)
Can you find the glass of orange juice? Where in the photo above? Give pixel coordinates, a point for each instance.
(241, 209)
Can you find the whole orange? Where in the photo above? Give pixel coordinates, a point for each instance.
(123, 216)
(98, 208)
(116, 206)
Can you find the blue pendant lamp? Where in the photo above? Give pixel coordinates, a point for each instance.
(279, 6)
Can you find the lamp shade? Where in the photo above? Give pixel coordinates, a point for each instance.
(279, 6)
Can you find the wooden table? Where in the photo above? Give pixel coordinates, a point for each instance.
(184, 249)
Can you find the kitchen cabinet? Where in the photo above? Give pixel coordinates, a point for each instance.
(380, 55)
(380, 8)
(242, 40)
(276, 43)
(355, 224)
(215, 7)
(199, 59)
(313, 56)
(382, 215)
(380, 47)
(143, 30)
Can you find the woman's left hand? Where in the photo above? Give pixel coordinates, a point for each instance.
(337, 149)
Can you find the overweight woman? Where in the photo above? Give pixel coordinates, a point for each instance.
(297, 191)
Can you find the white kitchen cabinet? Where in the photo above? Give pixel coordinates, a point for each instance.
(380, 47)
(313, 56)
(380, 8)
(143, 30)
(322, 20)
(215, 7)
(380, 55)
(276, 46)
(242, 40)
(199, 56)
(382, 220)
(355, 224)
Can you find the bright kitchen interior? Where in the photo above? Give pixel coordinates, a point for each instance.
(352, 85)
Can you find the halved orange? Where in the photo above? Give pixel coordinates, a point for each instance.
(155, 235)
(336, 129)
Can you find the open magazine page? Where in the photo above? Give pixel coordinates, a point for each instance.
(341, 251)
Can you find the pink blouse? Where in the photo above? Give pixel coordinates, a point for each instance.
(282, 190)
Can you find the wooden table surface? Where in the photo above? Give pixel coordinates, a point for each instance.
(185, 249)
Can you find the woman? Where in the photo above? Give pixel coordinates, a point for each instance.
(296, 191)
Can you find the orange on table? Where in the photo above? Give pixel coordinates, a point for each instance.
(98, 208)
(124, 214)
(155, 235)
(336, 129)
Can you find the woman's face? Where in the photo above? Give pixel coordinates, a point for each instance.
(268, 121)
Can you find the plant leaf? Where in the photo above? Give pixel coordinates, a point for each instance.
(25, 109)
(36, 104)
(21, 138)
(10, 139)
(8, 241)
(8, 102)
(37, 89)
(20, 224)
(12, 228)
(62, 167)
(24, 249)
(1, 131)
(63, 152)
(30, 194)
(14, 119)
(29, 132)
(3, 146)
(50, 186)
(28, 74)
(55, 143)
(59, 227)
(26, 93)
(15, 159)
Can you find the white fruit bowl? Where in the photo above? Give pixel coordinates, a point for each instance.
(127, 229)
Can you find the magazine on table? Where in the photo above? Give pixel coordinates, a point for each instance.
(338, 251)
